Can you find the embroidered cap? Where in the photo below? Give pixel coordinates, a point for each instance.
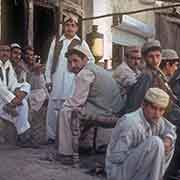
(70, 16)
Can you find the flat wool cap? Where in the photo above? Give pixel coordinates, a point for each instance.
(149, 45)
(157, 96)
(132, 49)
(169, 54)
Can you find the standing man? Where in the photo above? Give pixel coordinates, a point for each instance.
(60, 81)
(127, 72)
(142, 142)
(13, 104)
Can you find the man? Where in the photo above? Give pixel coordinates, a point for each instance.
(96, 94)
(152, 76)
(127, 72)
(142, 142)
(13, 105)
(169, 63)
(38, 96)
(17, 62)
(58, 78)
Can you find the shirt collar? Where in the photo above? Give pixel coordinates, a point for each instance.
(62, 38)
(6, 64)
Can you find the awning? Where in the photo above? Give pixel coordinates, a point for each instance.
(131, 31)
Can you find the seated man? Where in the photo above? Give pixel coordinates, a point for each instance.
(13, 105)
(169, 63)
(127, 72)
(96, 94)
(142, 143)
(18, 63)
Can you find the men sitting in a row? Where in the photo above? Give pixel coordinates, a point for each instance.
(30, 70)
(13, 103)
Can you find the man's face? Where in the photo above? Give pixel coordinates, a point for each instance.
(70, 29)
(76, 63)
(4, 53)
(29, 56)
(171, 68)
(16, 55)
(153, 58)
(153, 112)
(134, 60)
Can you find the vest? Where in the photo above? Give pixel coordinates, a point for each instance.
(57, 51)
(104, 97)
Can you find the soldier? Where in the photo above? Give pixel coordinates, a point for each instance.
(58, 78)
(142, 142)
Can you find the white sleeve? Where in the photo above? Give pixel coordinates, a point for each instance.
(83, 82)
(49, 62)
(90, 57)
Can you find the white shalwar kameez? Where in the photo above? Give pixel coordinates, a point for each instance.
(8, 84)
(62, 80)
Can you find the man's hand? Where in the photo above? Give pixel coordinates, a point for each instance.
(49, 87)
(20, 94)
(15, 102)
(167, 145)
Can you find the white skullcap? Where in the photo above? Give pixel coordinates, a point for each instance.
(15, 45)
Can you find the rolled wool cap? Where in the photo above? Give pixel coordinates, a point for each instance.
(150, 44)
(157, 96)
(80, 49)
(169, 54)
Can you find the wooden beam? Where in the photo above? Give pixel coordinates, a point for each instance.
(132, 12)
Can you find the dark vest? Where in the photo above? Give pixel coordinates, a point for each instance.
(57, 51)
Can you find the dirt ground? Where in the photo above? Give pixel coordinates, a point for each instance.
(37, 164)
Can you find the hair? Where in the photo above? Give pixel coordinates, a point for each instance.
(170, 62)
(151, 49)
(74, 51)
(28, 47)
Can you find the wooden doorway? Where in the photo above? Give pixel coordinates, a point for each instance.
(14, 21)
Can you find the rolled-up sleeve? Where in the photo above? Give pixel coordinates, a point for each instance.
(82, 85)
